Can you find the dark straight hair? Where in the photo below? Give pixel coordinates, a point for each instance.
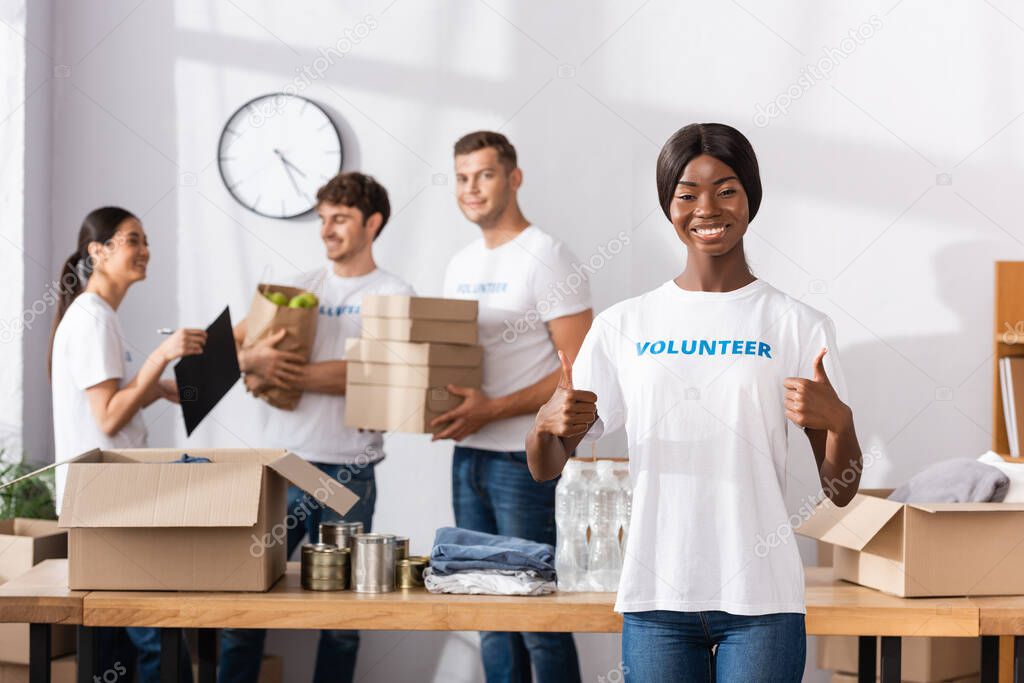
(99, 226)
(718, 140)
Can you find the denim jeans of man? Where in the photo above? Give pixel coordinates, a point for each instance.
(493, 491)
(241, 650)
(134, 654)
(670, 647)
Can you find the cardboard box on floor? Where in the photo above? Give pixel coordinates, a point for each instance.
(396, 409)
(922, 659)
(418, 307)
(923, 549)
(841, 677)
(137, 520)
(25, 543)
(62, 670)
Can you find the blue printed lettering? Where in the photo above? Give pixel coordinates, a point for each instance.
(671, 347)
(640, 349)
(707, 348)
(658, 347)
(693, 346)
(748, 348)
(764, 350)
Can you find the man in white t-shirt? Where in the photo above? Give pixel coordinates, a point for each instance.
(353, 209)
(534, 299)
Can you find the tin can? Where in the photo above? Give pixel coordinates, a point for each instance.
(409, 572)
(324, 567)
(340, 534)
(401, 547)
(373, 563)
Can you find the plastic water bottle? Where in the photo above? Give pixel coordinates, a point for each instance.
(604, 562)
(626, 485)
(571, 522)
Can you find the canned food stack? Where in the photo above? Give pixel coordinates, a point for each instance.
(411, 349)
(366, 563)
(324, 567)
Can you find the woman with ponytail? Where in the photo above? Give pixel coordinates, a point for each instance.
(96, 404)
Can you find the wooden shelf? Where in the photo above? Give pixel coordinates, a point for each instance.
(1009, 316)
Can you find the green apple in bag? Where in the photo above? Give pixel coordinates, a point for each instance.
(277, 298)
(304, 300)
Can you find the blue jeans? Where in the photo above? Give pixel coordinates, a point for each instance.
(127, 651)
(241, 650)
(493, 491)
(664, 647)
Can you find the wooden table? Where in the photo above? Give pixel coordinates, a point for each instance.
(1003, 618)
(833, 608)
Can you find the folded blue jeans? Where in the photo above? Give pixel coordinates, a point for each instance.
(494, 492)
(241, 650)
(691, 647)
(459, 550)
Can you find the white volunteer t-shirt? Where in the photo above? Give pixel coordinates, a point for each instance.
(316, 429)
(521, 285)
(696, 379)
(88, 348)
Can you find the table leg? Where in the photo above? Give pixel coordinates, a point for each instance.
(39, 653)
(989, 659)
(1018, 659)
(207, 655)
(891, 647)
(88, 653)
(170, 655)
(866, 652)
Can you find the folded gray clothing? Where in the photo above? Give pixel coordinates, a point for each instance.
(960, 480)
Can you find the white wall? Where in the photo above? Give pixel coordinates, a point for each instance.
(855, 220)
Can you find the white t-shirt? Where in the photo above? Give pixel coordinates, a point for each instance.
(521, 285)
(88, 349)
(316, 429)
(696, 379)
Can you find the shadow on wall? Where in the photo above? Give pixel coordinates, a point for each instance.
(910, 401)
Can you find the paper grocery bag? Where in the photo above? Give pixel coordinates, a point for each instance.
(266, 318)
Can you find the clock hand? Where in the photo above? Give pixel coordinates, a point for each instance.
(288, 163)
(292, 178)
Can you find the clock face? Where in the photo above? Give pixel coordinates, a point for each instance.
(276, 151)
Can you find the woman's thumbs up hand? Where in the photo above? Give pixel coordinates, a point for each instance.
(814, 403)
(569, 411)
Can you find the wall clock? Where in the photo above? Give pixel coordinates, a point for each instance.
(276, 151)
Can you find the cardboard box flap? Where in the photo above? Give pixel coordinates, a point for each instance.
(161, 495)
(852, 526)
(968, 507)
(323, 488)
(89, 456)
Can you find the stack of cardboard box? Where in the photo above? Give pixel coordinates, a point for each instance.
(411, 349)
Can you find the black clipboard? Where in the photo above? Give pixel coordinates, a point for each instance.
(203, 380)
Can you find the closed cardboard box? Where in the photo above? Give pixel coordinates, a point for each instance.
(404, 329)
(923, 549)
(396, 409)
(137, 520)
(62, 670)
(418, 307)
(421, 376)
(923, 660)
(413, 353)
(23, 544)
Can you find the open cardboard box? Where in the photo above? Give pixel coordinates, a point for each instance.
(139, 521)
(923, 549)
